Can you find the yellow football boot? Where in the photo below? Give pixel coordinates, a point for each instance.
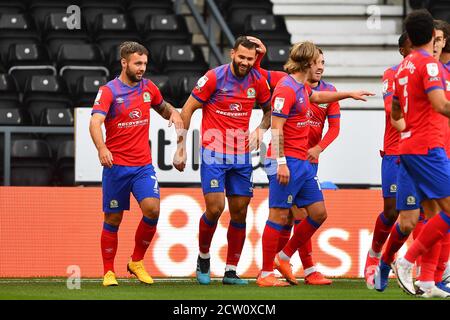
(109, 279)
(137, 268)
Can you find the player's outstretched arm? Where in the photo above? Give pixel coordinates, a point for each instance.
(332, 96)
(397, 120)
(439, 102)
(95, 129)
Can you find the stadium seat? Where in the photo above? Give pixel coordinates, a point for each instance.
(26, 60)
(57, 117)
(184, 88)
(269, 28)
(65, 164)
(139, 10)
(45, 92)
(55, 33)
(7, 6)
(41, 9)
(14, 117)
(9, 96)
(164, 86)
(92, 8)
(239, 10)
(113, 29)
(30, 163)
(87, 89)
(275, 57)
(164, 30)
(15, 28)
(440, 10)
(75, 61)
(180, 60)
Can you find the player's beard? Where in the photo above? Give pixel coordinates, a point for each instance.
(132, 76)
(237, 70)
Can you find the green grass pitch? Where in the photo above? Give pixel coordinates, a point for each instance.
(188, 289)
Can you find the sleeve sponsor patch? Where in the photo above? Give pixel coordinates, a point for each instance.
(432, 69)
(278, 104)
(385, 86)
(97, 98)
(202, 81)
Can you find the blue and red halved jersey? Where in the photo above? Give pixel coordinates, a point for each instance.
(127, 111)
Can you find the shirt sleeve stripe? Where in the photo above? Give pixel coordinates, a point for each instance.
(98, 111)
(433, 88)
(280, 115)
(334, 116)
(197, 98)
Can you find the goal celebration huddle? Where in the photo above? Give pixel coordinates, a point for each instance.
(297, 106)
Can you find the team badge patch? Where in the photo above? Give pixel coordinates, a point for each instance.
(146, 96)
(289, 199)
(432, 69)
(385, 86)
(448, 85)
(202, 81)
(393, 188)
(278, 105)
(411, 201)
(113, 204)
(251, 93)
(214, 183)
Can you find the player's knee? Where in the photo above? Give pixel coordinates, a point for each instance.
(214, 211)
(319, 216)
(407, 226)
(151, 212)
(113, 219)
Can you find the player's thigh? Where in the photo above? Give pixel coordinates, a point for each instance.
(215, 204)
(317, 211)
(389, 172)
(212, 177)
(310, 194)
(298, 213)
(444, 204)
(430, 208)
(238, 180)
(408, 196)
(116, 188)
(146, 191)
(238, 205)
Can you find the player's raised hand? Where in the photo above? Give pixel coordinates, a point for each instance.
(313, 153)
(105, 156)
(283, 174)
(260, 47)
(255, 139)
(179, 159)
(360, 95)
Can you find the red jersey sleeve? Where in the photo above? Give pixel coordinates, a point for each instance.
(156, 95)
(388, 90)
(263, 92)
(205, 87)
(432, 75)
(282, 101)
(103, 101)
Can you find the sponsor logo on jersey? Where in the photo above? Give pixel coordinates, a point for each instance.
(251, 93)
(201, 83)
(385, 86)
(235, 107)
(119, 100)
(135, 114)
(214, 183)
(278, 105)
(97, 98)
(411, 201)
(147, 97)
(113, 204)
(432, 69)
(393, 188)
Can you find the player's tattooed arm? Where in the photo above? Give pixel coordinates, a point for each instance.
(168, 112)
(439, 102)
(283, 173)
(397, 120)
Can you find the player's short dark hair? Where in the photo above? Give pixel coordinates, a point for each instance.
(243, 41)
(419, 26)
(127, 48)
(444, 26)
(402, 39)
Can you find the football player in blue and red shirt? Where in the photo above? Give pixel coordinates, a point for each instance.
(292, 179)
(123, 106)
(417, 108)
(316, 144)
(389, 168)
(227, 96)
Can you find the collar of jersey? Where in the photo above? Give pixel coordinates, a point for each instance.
(127, 86)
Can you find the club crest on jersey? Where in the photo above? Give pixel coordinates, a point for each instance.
(201, 82)
(411, 201)
(432, 69)
(113, 204)
(135, 114)
(289, 199)
(393, 188)
(251, 93)
(309, 114)
(147, 97)
(97, 98)
(323, 105)
(278, 104)
(235, 107)
(214, 183)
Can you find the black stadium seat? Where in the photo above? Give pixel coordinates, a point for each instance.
(45, 92)
(9, 96)
(56, 33)
(57, 117)
(31, 163)
(14, 29)
(275, 57)
(8, 6)
(239, 10)
(65, 164)
(164, 86)
(139, 10)
(269, 28)
(28, 59)
(14, 117)
(92, 8)
(440, 9)
(42, 8)
(87, 89)
(75, 61)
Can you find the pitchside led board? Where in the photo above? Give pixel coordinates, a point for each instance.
(351, 159)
